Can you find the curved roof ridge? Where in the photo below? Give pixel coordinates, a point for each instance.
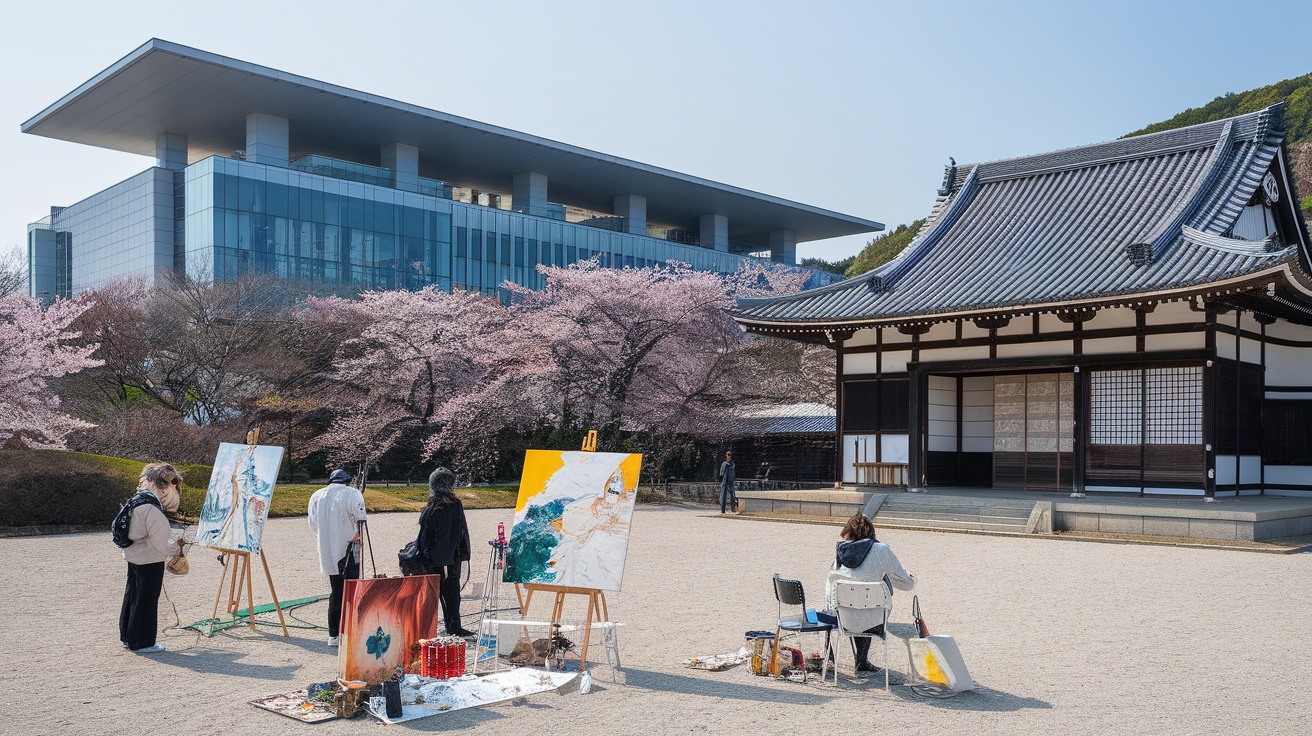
(1202, 135)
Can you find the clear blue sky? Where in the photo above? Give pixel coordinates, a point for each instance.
(852, 106)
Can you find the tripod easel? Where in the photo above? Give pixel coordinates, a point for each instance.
(238, 562)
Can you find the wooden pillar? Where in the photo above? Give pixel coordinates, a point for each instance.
(916, 409)
(1239, 382)
(838, 407)
(879, 391)
(1209, 404)
(961, 405)
(1262, 320)
(1080, 431)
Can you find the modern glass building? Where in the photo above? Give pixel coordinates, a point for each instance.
(261, 171)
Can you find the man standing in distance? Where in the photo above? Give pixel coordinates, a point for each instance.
(336, 513)
(726, 483)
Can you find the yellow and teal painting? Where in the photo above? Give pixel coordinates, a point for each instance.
(237, 502)
(572, 519)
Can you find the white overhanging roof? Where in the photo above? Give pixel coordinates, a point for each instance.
(164, 87)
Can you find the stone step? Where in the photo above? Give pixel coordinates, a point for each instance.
(928, 516)
(921, 523)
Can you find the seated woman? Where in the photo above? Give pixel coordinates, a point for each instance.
(860, 557)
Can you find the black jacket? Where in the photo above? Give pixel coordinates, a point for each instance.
(444, 534)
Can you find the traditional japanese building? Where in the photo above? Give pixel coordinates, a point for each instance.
(1127, 316)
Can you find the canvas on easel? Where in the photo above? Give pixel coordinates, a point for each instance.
(237, 502)
(572, 519)
(232, 520)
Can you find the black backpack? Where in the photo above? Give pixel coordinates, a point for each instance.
(123, 519)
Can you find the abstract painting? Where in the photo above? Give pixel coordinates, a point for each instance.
(383, 620)
(572, 519)
(237, 502)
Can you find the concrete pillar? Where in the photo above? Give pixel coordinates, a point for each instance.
(171, 151)
(529, 193)
(634, 211)
(403, 160)
(267, 140)
(783, 246)
(715, 232)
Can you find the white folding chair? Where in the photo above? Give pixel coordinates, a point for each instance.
(860, 606)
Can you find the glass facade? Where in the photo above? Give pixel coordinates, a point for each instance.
(248, 217)
(322, 222)
(125, 230)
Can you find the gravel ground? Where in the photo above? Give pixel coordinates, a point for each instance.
(1062, 637)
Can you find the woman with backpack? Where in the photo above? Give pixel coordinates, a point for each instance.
(150, 541)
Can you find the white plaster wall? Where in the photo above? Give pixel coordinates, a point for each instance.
(977, 414)
(969, 330)
(894, 447)
(1108, 345)
(1173, 313)
(1108, 318)
(977, 352)
(1182, 341)
(1022, 325)
(1286, 366)
(1290, 475)
(942, 413)
(861, 337)
(1250, 470)
(941, 331)
(1057, 348)
(895, 362)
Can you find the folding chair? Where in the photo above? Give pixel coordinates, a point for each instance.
(860, 606)
(794, 617)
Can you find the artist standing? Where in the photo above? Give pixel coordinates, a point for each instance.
(336, 513)
(152, 542)
(444, 536)
(727, 493)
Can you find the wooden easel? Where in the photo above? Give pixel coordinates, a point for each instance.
(596, 609)
(239, 563)
(596, 599)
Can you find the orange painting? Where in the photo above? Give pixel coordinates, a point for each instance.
(382, 622)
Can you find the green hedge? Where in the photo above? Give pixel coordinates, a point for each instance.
(57, 488)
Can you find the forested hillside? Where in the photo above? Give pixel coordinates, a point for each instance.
(1296, 93)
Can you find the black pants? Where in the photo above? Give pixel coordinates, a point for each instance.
(138, 620)
(861, 645)
(350, 570)
(450, 594)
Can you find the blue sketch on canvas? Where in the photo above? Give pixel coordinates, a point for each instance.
(237, 502)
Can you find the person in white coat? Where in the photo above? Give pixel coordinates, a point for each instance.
(862, 558)
(336, 513)
(152, 541)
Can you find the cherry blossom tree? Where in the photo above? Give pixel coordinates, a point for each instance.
(37, 345)
(434, 371)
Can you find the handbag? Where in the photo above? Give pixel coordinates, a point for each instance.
(414, 560)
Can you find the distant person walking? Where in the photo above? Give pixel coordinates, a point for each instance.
(150, 540)
(444, 534)
(336, 513)
(727, 493)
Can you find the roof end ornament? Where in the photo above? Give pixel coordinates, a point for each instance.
(1140, 254)
(949, 177)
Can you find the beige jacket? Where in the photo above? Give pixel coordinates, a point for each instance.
(152, 538)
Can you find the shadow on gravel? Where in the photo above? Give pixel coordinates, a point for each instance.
(979, 699)
(694, 686)
(225, 663)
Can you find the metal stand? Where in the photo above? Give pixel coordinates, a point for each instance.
(488, 630)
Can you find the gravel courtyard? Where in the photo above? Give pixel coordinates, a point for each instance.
(1062, 637)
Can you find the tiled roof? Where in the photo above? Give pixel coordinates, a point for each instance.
(1138, 215)
(787, 419)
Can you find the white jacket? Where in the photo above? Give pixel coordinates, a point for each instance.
(334, 513)
(880, 562)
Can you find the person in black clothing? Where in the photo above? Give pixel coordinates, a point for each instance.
(728, 497)
(444, 535)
